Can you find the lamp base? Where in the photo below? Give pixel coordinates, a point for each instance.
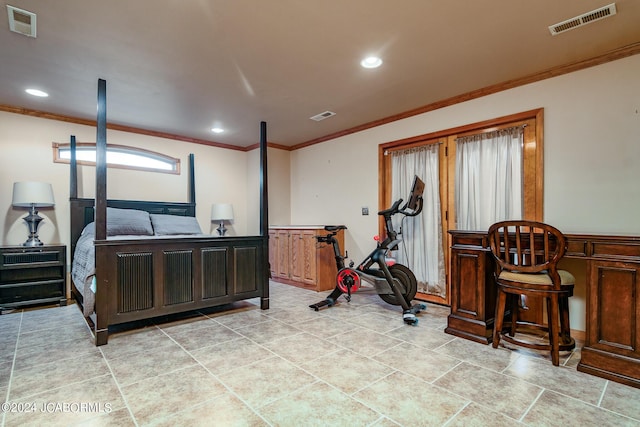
(222, 229)
(33, 241)
(33, 221)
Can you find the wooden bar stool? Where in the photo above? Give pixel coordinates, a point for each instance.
(527, 254)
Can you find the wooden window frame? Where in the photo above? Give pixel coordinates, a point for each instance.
(175, 162)
(533, 171)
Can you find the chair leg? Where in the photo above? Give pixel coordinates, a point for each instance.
(515, 310)
(499, 317)
(565, 327)
(554, 332)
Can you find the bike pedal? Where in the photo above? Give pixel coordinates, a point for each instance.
(410, 318)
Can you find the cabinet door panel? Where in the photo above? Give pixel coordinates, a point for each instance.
(613, 309)
(273, 252)
(303, 256)
(469, 273)
(282, 269)
(297, 255)
(309, 259)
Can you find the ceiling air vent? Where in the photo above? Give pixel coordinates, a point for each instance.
(584, 19)
(22, 21)
(323, 116)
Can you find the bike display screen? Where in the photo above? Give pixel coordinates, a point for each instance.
(416, 193)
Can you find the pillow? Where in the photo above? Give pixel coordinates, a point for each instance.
(89, 229)
(164, 225)
(131, 222)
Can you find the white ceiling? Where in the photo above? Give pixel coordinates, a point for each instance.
(180, 67)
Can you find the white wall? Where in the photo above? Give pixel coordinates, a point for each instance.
(27, 155)
(278, 169)
(591, 158)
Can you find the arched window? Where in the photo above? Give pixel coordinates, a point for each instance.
(118, 156)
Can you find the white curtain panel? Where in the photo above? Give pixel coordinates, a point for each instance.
(488, 178)
(421, 249)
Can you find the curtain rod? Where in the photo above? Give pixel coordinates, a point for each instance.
(400, 148)
(524, 125)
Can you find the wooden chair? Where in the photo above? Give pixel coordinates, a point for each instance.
(526, 255)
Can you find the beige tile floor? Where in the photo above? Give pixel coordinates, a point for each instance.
(355, 364)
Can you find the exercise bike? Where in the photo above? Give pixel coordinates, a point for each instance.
(394, 283)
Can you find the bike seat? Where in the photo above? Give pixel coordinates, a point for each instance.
(332, 228)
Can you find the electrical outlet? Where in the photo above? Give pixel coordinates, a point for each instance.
(365, 211)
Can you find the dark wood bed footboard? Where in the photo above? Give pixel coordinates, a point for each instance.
(143, 279)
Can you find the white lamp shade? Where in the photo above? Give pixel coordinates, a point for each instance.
(221, 212)
(27, 194)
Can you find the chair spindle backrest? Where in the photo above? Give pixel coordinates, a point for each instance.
(526, 246)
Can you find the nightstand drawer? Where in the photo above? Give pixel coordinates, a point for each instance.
(32, 258)
(29, 274)
(32, 292)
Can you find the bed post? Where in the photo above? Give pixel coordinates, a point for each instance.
(192, 180)
(264, 217)
(73, 190)
(102, 321)
(73, 173)
(101, 163)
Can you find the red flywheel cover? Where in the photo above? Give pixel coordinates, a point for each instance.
(348, 278)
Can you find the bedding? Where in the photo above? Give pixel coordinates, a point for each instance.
(123, 224)
(83, 268)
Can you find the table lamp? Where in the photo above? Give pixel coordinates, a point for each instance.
(221, 212)
(32, 195)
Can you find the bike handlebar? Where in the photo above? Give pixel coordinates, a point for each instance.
(394, 209)
(416, 211)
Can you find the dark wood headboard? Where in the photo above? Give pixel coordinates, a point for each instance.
(83, 212)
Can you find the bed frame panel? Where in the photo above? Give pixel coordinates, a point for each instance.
(143, 279)
(146, 278)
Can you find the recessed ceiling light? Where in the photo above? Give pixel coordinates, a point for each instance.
(217, 130)
(371, 62)
(37, 92)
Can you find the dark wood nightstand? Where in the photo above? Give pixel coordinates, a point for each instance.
(32, 275)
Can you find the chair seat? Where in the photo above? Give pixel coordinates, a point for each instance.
(542, 278)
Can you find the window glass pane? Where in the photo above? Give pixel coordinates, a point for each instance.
(121, 156)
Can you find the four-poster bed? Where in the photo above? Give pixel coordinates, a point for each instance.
(143, 276)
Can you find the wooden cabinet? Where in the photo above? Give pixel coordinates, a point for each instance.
(297, 258)
(32, 275)
(612, 336)
(473, 294)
